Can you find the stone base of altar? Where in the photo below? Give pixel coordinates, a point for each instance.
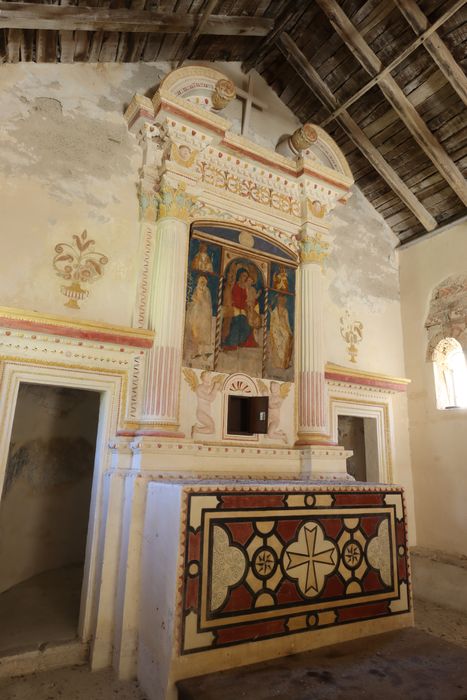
(150, 455)
(236, 573)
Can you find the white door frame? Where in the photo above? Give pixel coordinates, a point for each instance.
(109, 386)
(343, 406)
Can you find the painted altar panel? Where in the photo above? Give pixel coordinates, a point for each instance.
(262, 563)
(240, 304)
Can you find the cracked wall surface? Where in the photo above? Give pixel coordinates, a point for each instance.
(68, 163)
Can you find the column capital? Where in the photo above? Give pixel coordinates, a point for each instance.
(175, 199)
(170, 177)
(314, 246)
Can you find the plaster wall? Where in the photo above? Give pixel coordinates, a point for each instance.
(47, 488)
(438, 438)
(68, 163)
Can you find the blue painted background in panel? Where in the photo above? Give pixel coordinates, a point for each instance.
(232, 234)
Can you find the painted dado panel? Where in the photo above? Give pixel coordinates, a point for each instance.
(268, 563)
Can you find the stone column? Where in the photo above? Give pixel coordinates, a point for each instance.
(313, 426)
(166, 311)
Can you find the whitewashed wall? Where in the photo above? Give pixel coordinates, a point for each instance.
(438, 438)
(67, 163)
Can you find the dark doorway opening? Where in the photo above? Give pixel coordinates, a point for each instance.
(351, 435)
(44, 513)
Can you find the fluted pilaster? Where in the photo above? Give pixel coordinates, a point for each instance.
(312, 397)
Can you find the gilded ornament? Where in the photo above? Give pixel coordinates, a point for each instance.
(317, 208)
(313, 249)
(183, 155)
(224, 92)
(78, 263)
(175, 202)
(246, 239)
(352, 333)
(303, 137)
(248, 189)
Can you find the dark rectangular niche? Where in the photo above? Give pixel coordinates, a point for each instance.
(247, 415)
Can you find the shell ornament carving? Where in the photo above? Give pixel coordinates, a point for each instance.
(78, 264)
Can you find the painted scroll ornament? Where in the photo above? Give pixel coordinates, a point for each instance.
(79, 264)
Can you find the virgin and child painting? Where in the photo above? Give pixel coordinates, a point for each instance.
(242, 332)
(239, 312)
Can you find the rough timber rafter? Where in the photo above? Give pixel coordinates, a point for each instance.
(389, 166)
(198, 30)
(435, 46)
(396, 97)
(312, 79)
(422, 39)
(287, 16)
(70, 17)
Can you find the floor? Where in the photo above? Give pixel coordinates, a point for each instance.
(407, 663)
(445, 675)
(76, 683)
(42, 610)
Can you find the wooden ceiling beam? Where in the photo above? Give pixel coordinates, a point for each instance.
(435, 47)
(19, 15)
(396, 97)
(421, 40)
(316, 84)
(284, 18)
(190, 44)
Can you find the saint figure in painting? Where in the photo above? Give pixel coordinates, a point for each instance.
(252, 305)
(199, 319)
(280, 334)
(239, 312)
(280, 280)
(201, 260)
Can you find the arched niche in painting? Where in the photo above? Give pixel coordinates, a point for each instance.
(240, 303)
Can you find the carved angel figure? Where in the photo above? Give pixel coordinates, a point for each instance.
(277, 393)
(206, 391)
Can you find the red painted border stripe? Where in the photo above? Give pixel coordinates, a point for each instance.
(79, 333)
(365, 381)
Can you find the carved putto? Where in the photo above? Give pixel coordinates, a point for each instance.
(206, 389)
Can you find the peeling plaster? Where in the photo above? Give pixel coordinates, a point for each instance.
(363, 256)
(75, 144)
(67, 150)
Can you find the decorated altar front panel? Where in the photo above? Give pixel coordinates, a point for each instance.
(262, 562)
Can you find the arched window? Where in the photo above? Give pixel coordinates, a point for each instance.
(450, 369)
